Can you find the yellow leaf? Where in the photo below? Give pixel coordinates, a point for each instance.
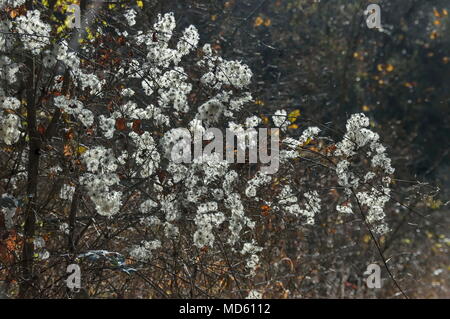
(433, 35)
(390, 68)
(264, 119)
(436, 13)
(140, 4)
(365, 108)
(13, 13)
(258, 21)
(259, 102)
(433, 203)
(309, 140)
(267, 22)
(293, 116)
(81, 149)
(366, 239)
(90, 35)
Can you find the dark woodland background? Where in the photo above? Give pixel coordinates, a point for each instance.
(321, 57)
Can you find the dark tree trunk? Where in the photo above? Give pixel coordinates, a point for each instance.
(28, 283)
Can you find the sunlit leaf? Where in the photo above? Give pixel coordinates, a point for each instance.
(433, 35)
(67, 150)
(390, 68)
(366, 239)
(294, 115)
(265, 119)
(436, 13)
(258, 22)
(81, 149)
(265, 210)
